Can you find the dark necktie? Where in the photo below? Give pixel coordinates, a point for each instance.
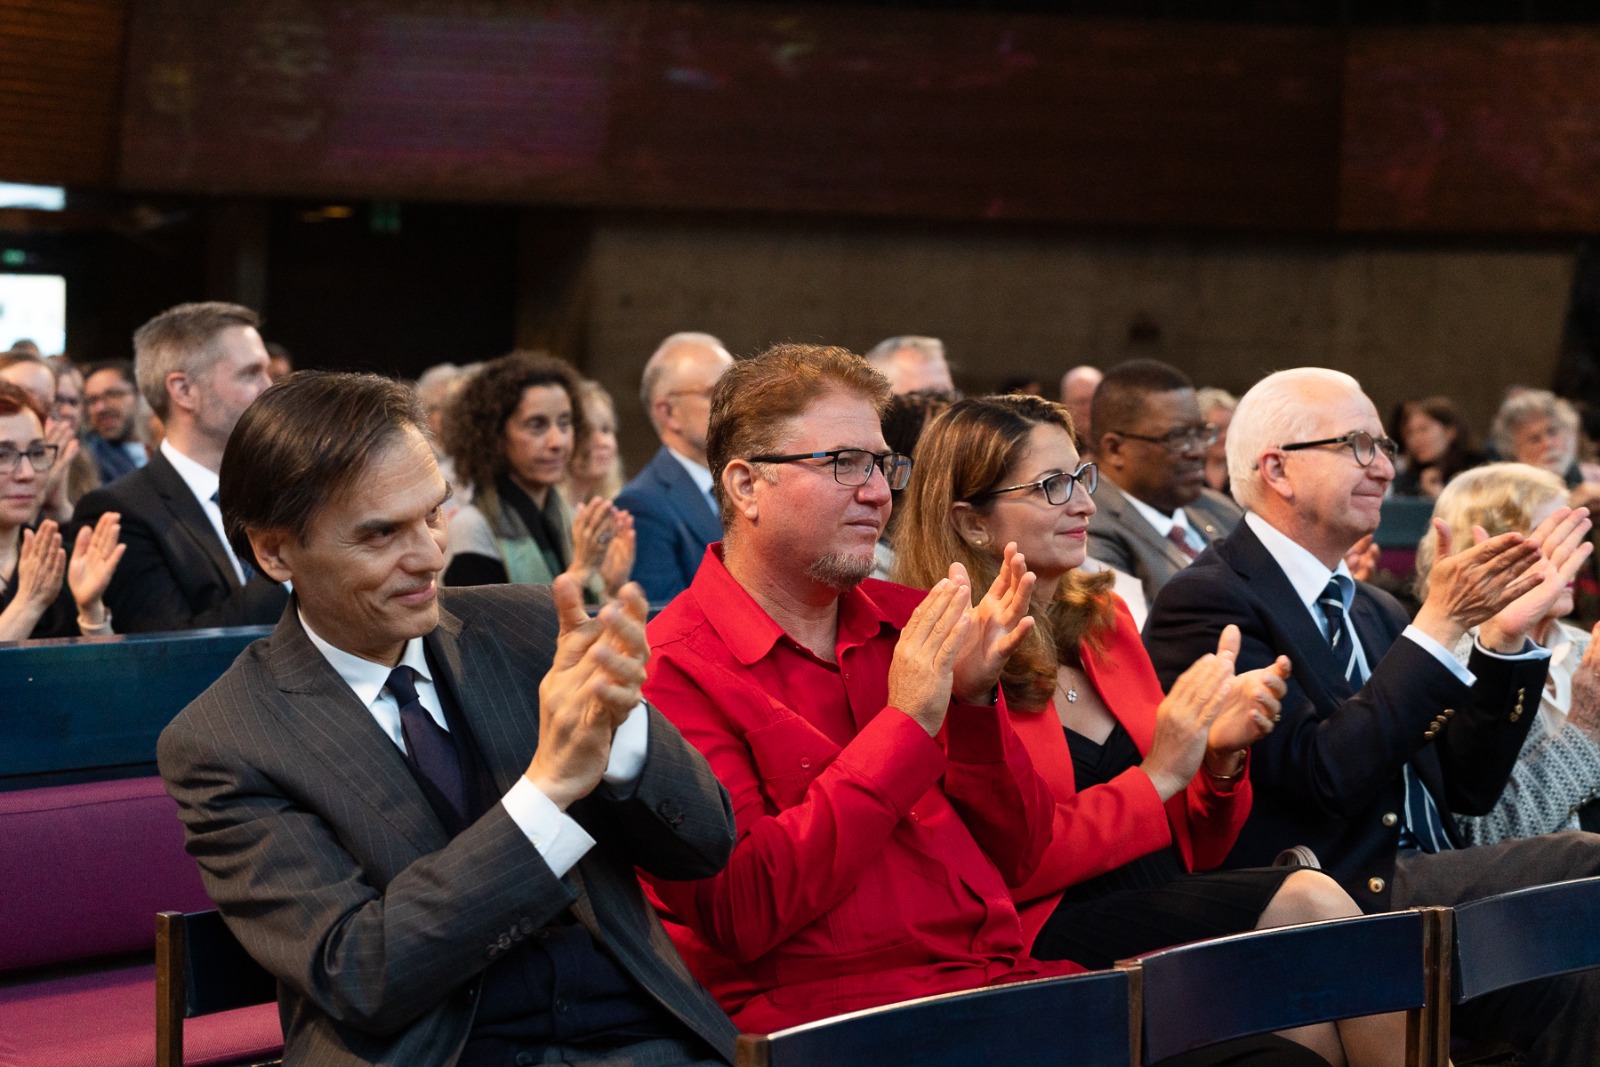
(1423, 824)
(1175, 535)
(244, 564)
(429, 749)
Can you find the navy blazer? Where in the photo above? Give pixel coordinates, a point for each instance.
(1329, 775)
(674, 524)
(176, 573)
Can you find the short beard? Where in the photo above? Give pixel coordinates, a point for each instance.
(840, 572)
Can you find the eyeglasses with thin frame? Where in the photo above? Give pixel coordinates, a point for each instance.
(854, 466)
(1057, 487)
(40, 456)
(1182, 439)
(1362, 444)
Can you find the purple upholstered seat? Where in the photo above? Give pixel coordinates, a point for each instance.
(107, 1018)
(85, 868)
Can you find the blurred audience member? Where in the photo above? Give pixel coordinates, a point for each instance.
(1023, 384)
(82, 474)
(279, 361)
(111, 406)
(1436, 445)
(1154, 513)
(670, 499)
(1077, 396)
(1557, 776)
(596, 468)
(903, 422)
(436, 386)
(1536, 427)
(912, 364)
(42, 592)
(511, 430)
(1216, 407)
(26, 346)
(198, 366)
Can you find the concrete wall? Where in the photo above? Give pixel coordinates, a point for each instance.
(1405, 319)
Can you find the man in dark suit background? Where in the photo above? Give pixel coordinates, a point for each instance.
(1383, 734)
(670, 499)
(358, 787)
(1153, 512)
(199, 366)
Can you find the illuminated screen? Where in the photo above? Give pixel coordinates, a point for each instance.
(34, 306)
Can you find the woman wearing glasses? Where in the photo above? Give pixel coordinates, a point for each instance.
(1149, 786)
(34, 599)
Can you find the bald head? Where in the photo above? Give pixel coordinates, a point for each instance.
(912, 364)
(675, 390)
(1077, 393)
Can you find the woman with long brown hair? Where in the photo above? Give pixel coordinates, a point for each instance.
(1150, 787)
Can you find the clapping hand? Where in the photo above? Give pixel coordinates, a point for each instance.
(95, 556)
(922, 671)
(999, 624)
(1563, 540)
(1185, 718)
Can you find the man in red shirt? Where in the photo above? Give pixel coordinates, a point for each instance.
(883, 802)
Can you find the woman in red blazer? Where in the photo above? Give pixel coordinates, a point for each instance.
(1150, 787)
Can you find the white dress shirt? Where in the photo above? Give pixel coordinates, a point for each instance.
(699, 473)
(1165, 523)
(559, 839)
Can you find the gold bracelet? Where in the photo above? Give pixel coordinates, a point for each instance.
(1234, 777)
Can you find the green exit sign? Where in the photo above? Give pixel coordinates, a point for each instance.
(13, 257)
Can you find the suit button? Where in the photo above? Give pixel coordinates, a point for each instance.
(526, 925)
(1431, 732)
(504, 942)
(561, 1006)
(805, 763)
(1390, 819)
(524, 1059)
(494, 951)
(1375, 884)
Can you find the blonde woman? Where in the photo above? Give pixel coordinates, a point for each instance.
(1558, 771)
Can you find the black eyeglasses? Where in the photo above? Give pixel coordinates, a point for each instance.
(1362, 444)
(854, 466)
(40, 456)
(1057, 487)
(1182, 439)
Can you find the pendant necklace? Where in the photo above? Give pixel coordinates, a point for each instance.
(1070, 692)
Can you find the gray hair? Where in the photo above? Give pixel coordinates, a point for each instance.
(182, 339)
(433, 384)
(1525, 405)
(1210, 398)
(930, 348)
(1272, 413)
(661, 358)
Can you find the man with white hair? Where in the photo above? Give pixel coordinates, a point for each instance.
(674, 515)
(1383, 736)
(912, 364)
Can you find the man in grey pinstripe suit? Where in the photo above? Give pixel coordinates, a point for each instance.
(358, 789)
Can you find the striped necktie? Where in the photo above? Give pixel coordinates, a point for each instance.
(1423, 826)
(1175, 535)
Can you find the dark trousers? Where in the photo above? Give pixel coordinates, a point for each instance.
(1555, 1021)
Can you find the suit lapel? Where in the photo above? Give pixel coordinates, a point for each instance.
(1136, 525)
(345, 738)
(477, 674)
(685, 498)
(189, 516)
(1316, 668)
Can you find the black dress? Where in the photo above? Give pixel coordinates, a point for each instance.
(1151, 902)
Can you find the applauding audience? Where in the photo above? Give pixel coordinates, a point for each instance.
(42, 593)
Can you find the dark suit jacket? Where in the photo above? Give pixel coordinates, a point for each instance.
(1122, 537)
(328, 863)
(674, 524)
(1329, 775)
(176, 573)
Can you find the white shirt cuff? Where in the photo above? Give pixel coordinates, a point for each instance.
(1529, 650)
(560, 841)
(628, 748)
(1446, 658)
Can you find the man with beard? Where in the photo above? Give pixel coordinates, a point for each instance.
(111, 406)
(1155, 514)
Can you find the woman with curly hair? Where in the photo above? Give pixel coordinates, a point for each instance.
(1149, 787)
(511, 431)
